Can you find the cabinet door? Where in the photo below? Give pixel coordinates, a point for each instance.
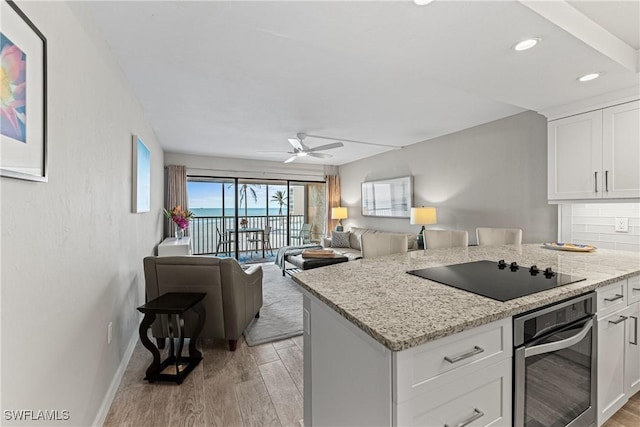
(612, 339)
(632, 352)
(575, 157)
(621, 150)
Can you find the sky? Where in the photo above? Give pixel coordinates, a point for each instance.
(209, 195)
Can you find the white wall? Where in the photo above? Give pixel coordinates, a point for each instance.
(491, 175)
(594, 224)
(72, 251)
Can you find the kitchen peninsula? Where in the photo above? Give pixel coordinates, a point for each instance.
(375, 336)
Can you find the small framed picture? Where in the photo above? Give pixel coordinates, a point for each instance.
(141, 177)
(23, 96)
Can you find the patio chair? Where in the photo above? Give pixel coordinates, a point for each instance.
(304, 235)
(225, 242)
(264, 239)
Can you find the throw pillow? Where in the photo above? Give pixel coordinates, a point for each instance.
(339, 239)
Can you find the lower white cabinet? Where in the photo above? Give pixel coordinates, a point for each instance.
(482, 398)
(612, 341)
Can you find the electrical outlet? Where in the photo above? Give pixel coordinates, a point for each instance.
(109, 332)
(622, 225)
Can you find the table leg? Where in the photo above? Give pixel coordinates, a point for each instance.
(146, 342)
(199, 310)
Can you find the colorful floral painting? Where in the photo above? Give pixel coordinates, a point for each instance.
(13, 89)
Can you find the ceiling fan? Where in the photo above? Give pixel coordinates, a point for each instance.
(301, 150)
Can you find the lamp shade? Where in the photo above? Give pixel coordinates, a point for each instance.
(339, 213)
(423, 216)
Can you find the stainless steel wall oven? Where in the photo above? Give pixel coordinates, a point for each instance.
(554, 365)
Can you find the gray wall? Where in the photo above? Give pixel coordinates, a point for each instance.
(491, 175)
(71, 259)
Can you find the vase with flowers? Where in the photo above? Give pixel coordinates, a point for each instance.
(180, 218)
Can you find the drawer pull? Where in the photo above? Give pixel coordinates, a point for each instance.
(635, 289)
(620, 319)
(635, 331)
(617, 297)
(476, 350)
(477, 414)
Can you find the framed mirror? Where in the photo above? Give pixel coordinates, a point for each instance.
(391, 198)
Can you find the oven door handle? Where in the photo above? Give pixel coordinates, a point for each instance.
(559, 345)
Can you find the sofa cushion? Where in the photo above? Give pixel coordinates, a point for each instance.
(356, 236)
(340, 239)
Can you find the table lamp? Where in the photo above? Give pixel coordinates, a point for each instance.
(339, 213)
(423, 216)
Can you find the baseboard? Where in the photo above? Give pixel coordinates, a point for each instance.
(115, 383)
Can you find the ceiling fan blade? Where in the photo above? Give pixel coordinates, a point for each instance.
(291, 159)
(319, 155)
(297, 144)
(327, 146)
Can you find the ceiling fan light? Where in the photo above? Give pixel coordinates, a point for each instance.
(526, 44)
(588, 77)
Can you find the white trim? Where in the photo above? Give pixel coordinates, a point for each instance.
(591, 104)
(115, 383)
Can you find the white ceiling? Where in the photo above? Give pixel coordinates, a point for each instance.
(235, 78)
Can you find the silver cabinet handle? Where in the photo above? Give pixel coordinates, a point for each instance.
(620, 320)
(635, 331)
(476, 350)
(595, 180)
(635, 289)
(606, 181)
(617, 297)
(477, 414)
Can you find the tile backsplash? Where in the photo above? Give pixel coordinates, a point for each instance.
(594, 224)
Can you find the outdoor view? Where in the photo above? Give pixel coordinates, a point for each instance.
(268, 215)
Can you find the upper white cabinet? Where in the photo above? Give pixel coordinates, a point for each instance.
(595, 155)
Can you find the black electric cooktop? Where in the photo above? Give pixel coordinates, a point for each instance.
(497, 280)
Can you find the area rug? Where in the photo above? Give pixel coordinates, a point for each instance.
(281, 313)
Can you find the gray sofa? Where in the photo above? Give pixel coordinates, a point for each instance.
(354, 251)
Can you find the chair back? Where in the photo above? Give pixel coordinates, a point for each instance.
(267, 232)
(379, 244)
(435, 239)
(487, 236)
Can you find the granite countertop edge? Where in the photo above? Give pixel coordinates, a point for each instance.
(505, 310)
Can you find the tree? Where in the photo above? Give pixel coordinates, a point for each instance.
(242, 191)
(280, 197)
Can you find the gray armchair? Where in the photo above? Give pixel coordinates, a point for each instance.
(234, 295)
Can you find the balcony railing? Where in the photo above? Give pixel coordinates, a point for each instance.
(205, 238)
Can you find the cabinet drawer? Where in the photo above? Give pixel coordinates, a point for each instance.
(429, 365)
(611, 298)
(481, 398)
(633, 289)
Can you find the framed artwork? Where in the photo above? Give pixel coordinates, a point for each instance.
(141, 177)
(23, 96)
(391, 198)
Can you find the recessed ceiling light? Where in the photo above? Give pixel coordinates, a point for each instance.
(526, 44)
(588, 77)
(422, 2)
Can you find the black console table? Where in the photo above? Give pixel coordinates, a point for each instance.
(174, 367)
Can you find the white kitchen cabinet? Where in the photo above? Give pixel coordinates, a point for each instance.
(632, 352)
(612, 340)
(595, 155)
(611, 298)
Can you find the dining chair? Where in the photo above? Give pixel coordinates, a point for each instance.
(436, 239)
(225, 242)
(487, 236)
(265, 240)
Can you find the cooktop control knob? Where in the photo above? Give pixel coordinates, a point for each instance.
(534, 270)
(514, 266)
(549, 273)
(502, 264)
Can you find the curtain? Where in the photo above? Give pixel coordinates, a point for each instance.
(176, 193)
(333, 200)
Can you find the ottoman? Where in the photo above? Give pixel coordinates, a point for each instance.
(309, 263)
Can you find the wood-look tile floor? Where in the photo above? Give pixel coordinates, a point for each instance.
(253, 386)
(628, 415)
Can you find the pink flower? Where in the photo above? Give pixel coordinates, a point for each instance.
(12, 90)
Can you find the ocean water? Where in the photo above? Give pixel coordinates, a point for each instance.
(229, 212)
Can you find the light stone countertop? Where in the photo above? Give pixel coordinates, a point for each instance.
(402, 311)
